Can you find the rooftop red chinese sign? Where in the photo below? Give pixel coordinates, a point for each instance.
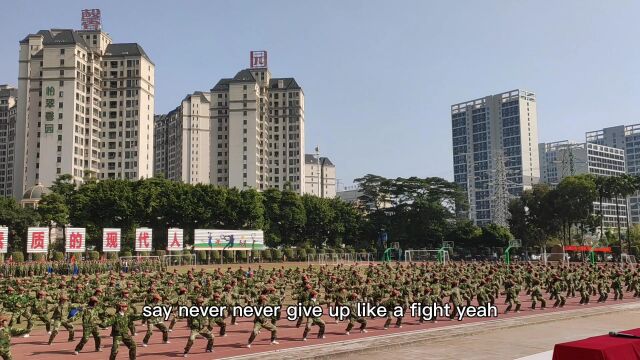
(258, 59)
(91, 19)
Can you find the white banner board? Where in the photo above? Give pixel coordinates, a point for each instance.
(175, 240)
(76, 240)
(111, 240)
(209, 239)
(4, 239)
(143, 239)
(37, 240)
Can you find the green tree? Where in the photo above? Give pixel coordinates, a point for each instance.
(54, 211)
(494, 235)
(576, 195)
(320, 222)
(603, 191)
(293, 218)
(271, 202)
(17, 219)
(535, 215)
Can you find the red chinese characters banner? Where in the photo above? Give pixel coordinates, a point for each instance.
(4, 239)
(76, 238)
(143, 239)
(258, 59)
(110, 240)
(174, 240)
(38, 240)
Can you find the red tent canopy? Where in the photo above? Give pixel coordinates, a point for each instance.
(586, 248)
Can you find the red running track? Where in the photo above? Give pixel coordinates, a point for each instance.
(234, 343)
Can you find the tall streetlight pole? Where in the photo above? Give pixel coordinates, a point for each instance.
(319, 173)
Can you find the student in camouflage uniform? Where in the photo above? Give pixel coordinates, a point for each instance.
(60, 317)
(120, 331)
(616, 285)
(156, 321)
(14, 304)
(390, 304)
(91, 319)
(314, 320)
(198, 326)
(584, 290)
(216, 301)
(6, 332)
(263, 322)
(511, 291)
(39, 309)
(179, 300)
(353, 315)
(302, 297)
(556, 292)
(455, 298)
(536, 295)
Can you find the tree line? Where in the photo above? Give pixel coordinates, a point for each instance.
(416, 212)
(567, 213)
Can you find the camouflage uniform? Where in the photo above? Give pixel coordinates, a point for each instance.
(6, 333)
(198, 326)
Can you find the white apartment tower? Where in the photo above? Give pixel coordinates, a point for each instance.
(257, 132)
(495, 153)
(320, 176)
(627, 138)
(8, 97)
(86, 108)
(182, 141)
(563, 158)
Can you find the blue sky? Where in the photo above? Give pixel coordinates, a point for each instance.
(379, 76)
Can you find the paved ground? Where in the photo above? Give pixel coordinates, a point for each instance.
(401, 341)
(510, 343)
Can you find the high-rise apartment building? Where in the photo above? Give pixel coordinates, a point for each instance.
(257, 131)
(320, 176)
(182, 141)
(8, 97)
(563, 158)
(495, 153)
(86, 108)
(626, 138)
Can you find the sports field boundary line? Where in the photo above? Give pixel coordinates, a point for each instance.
(390, 341)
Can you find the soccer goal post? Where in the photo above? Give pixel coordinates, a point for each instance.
(561, 258)
(416, 256)
(138, 263)
(311, 258)
(629, 259)
(138, 259)
(179, 260)
(363, 257)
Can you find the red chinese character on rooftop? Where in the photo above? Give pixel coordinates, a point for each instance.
(112, 240)
(258, 59)
(91, 19)
(1, 240)
(75, 240)
(37, 240)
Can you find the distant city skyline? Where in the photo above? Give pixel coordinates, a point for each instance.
(380, 77)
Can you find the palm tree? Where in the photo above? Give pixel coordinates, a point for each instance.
(621, 187)
(628, 188)
(632, 186)
(602, 189)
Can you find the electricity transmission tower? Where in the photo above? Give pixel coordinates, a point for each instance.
(501, 196)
